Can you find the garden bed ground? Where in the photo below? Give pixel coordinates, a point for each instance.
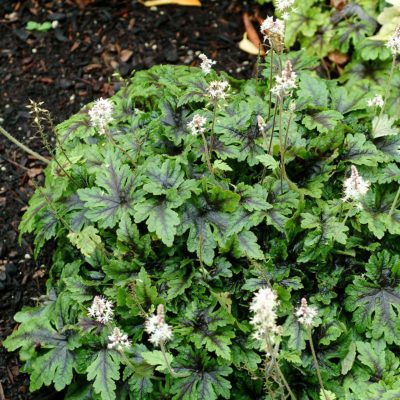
(66, 68)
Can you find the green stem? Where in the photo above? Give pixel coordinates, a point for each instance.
(270, 83)
(316, 363)
(111, 139)
(207, 153)
(348, 214)
(171, 371)
(273, 351)
(213, 125)
(23, 147)
(394, 204)
(281, 146)
(272, 129)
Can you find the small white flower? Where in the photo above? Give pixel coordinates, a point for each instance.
(118, 340)
(283, 5)
(394, 42)
(217, 90)
(285, 15)
(355, 187)
(206, 64)
(101, 114)
(377, 101)
(157, 328)
(306, 314)
(286, 82)
(101, 310)
(197, 124)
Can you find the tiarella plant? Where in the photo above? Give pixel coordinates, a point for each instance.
(193, 215)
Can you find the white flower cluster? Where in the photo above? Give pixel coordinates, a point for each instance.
(394, 42)
(286, 82)
(206, 64)
(272, 27)
(157, 328)
(355, 187)
(101, 310)
(284, 7)
(306, 314)
(101, 114)
(217, 90)
(197, 124)
(377, 101)
(118, 340)
(264, 306)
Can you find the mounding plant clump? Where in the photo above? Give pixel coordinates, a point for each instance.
(195, 218)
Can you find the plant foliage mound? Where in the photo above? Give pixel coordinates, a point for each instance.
(145, 214)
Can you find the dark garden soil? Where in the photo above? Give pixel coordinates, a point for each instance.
(67, 67)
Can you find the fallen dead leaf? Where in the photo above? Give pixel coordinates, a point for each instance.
(39, 273)
(247, 46)
(338, 58)
(74, 46)
(338, 4)
(155, 3)
(91, 67)
(125, 55)
(32, 172)
(252, 34)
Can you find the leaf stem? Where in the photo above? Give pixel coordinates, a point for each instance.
(272, 129)
(207, 153)
(213, 124)
(316, 362)
(270, 83)
(23, 147)
(164, 353)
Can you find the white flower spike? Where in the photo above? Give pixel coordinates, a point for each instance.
(264, 306)
(394, 42)
(286, 82)
(101, 114)
(101, 310)
(306, 314)
(284, 5)
(355, 187)
(118, 340)
(197, 124)
(377, 101)
(206, 64)
(217, 90)
(157, 328)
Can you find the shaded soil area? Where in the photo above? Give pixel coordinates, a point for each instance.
(65, 67)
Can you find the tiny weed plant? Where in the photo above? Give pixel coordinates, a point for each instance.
(218, 238)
